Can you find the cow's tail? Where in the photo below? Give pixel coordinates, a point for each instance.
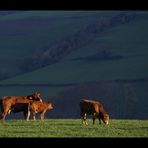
(0, 108)
(0, 104)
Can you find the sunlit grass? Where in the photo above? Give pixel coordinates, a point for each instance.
(73, 128)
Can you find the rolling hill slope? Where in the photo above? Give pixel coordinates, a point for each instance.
(110, 65)
(25, 33)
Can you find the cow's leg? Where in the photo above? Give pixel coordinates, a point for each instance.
(82, 116)
(94, 117)
(33, 114)
(85, 122)
(3, 116)
(1, 112)
(99, 120)
(42, 116)
(9, 111)
(5, 113)
(28, 112)
(27, 115)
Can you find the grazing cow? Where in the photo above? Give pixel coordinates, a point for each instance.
(39, 107)
(17, 104)
(95, 108)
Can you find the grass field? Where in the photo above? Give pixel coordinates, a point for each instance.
(59, 128)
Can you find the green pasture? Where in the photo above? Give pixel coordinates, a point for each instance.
(58, 128)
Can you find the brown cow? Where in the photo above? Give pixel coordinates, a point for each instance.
(39, 107)
(17, 104)
(20, 107)
(95, 108)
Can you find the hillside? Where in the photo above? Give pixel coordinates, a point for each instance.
(26, 33)
(38, 38)
(98, 55)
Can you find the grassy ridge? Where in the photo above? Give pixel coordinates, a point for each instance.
(73, 128)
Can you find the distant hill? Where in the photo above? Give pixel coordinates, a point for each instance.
(39, 38)
(25, 34)
(99, 55)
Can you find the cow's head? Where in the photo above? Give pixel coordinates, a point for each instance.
(49, 105)
(106, 118)
(37, 96)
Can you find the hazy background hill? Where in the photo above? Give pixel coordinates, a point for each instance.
(71, 55)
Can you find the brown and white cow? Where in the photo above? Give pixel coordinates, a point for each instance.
(39, 107)
(95, 108)
(17, 104)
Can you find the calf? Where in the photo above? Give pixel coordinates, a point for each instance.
(39, 107)
(95, 108)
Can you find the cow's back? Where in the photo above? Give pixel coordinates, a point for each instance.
(89, 106)
(40, 106)
(15, 99)
(36, 106)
